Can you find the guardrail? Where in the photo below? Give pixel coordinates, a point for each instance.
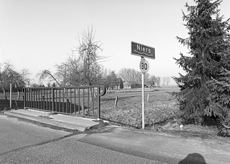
(82, 100)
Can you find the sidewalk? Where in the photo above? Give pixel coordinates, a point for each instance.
(60, 121)
(162, 147)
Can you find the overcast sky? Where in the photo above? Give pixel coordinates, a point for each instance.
(37, 34)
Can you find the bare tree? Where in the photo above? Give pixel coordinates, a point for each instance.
(47, 74)
(69, 72)
(88, 50)
(158, 81)
(128, 74)
(164, 81)
(9, 75)
(167, 80)
(80, 69)
(152, 80)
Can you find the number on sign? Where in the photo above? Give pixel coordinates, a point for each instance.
(144, 66)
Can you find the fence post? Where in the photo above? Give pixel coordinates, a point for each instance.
(116, 100)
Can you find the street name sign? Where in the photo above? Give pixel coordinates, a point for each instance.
(142, 50)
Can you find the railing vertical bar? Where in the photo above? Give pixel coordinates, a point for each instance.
(38, 95)
(39, 98)
(50, 99)
(74, 100)
(63, 99)
(47, 99)
(79, 101)
(99, 100)
(59, 99)
(36, 102)
(24, 100)
(93, 99)
(36, 98)
(88, 103)
(31, 100)
(83, 100)
(32, 97)
(67, 100)
(29, 97)
(43, 99)
(52, 92)
(70, 102)
(55, 99)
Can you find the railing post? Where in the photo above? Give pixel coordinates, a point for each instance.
(99, 99)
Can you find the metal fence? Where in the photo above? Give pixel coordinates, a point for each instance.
(82, 100)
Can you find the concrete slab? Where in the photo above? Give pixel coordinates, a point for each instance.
(59, 121)
(83, 122)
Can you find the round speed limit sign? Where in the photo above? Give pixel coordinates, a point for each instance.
(144, 65)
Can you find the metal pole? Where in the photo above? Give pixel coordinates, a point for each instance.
(10, 95)
(143, 101)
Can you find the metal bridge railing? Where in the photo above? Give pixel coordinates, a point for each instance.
(82, 100)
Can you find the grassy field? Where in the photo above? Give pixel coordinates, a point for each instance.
(161, 105)
(161, 112)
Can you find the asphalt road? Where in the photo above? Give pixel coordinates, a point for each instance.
(16, 134)
(22, 142)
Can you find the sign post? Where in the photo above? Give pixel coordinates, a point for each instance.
(143, 51)
(143, 101)
(144, 67)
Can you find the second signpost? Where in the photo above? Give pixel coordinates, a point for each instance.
(143, 51)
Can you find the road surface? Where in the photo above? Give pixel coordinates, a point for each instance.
(22, 142)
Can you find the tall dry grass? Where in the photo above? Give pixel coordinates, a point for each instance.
(160, 106)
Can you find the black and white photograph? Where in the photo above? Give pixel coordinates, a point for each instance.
(114, 82)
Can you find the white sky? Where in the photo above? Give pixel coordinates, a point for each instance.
(37, 34)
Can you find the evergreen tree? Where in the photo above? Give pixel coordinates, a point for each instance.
(205, 88)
